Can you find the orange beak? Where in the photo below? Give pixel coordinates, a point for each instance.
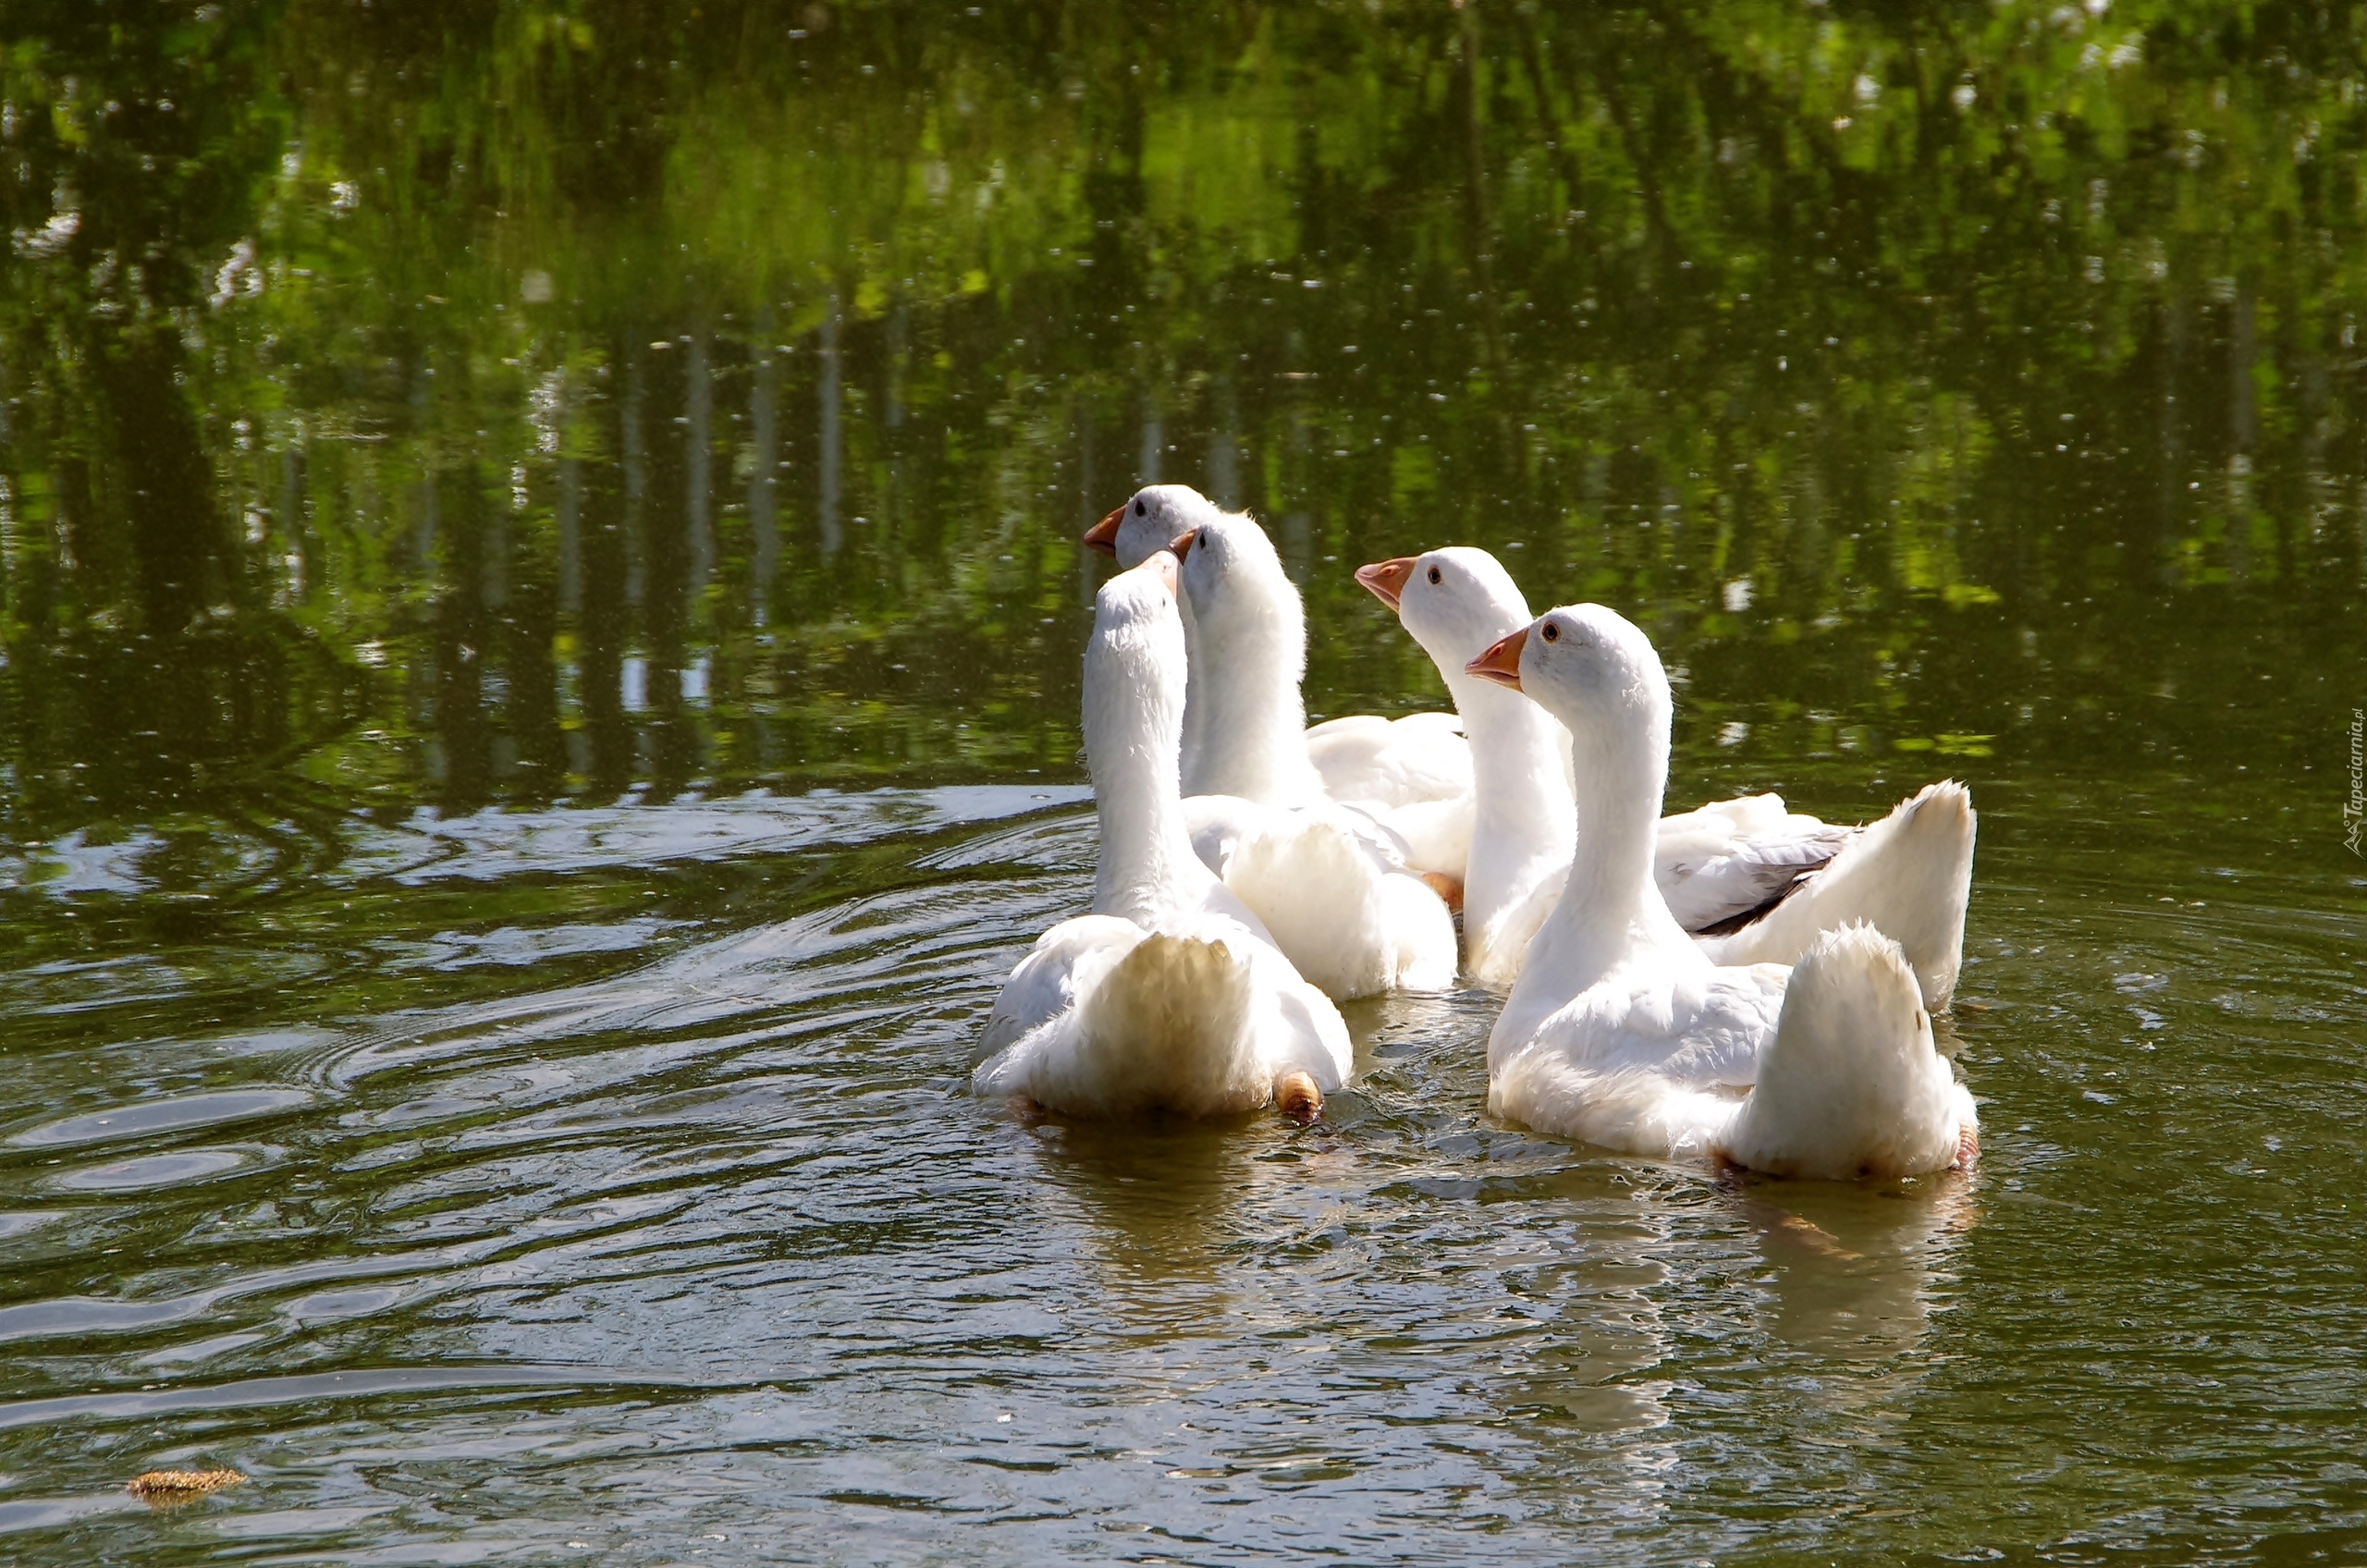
(1182, 544)
(1386, 579)
(1501, 663)
(1103, 535)
(1162, 565)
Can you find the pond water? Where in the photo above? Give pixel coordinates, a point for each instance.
(541, 632)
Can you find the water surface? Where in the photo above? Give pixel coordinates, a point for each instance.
(541, 624)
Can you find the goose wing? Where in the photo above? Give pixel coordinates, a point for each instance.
(1731, 887)
(1391, 763)
(1044, 985)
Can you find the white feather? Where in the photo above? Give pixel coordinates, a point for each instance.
(1622, 1031)
(1170, 996)
(1712, 864)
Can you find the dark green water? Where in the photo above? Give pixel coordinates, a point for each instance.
(541, 625)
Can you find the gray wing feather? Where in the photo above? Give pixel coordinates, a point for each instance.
(1725, 892)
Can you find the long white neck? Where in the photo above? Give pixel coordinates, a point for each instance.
(1249, 723)
(1196, 706)
(1523, 813)
(1147, 870)
(1612, 911)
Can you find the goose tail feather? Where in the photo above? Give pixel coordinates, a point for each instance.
(1352, 925)
(1168, 1026)
(1908, 876)
(1852, 1086)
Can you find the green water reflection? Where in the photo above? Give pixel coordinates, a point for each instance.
(470, 472)
(451, 403)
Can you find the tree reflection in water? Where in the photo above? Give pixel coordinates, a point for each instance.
(452, 404)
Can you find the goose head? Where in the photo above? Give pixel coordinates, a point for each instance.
(1233, 580)
(1150, 520)
(1135, 662)
(1454, 601)
(1589, 667)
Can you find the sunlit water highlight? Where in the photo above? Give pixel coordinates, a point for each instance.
(666, 1236)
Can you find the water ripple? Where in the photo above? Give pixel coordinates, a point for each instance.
(708, 1235)
(152, 1118)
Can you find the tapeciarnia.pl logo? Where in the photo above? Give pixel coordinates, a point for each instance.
(2354, 810)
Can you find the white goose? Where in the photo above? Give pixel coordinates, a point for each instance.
(1754, 882)
(1456, 602)
(1622, 1032)
(1337, 884)
(1169, 996)
(1363, 757)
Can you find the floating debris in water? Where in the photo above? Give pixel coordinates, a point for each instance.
(1815, 1238)
(179, 1485)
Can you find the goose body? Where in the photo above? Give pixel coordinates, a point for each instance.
(1622, 1031)
(1753, 880)
(1170, 996)
(1391, 762)
(1336, 896)
(1909, 876)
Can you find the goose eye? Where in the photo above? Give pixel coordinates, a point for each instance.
(1141, 510)
(1551, 634)
(1434, 574)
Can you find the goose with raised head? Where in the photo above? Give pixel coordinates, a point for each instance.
(1387, 763)
(1340, 885)
(1622, 1032)
(1454, 602)
(1170, 996)
(1753, 881)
